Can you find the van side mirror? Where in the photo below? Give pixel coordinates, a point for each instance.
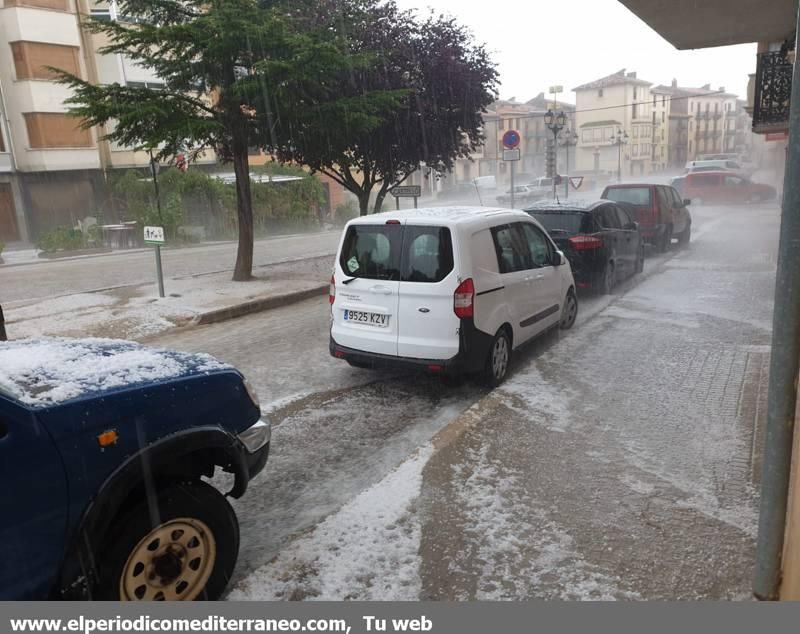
(561, 259)
(687, 201)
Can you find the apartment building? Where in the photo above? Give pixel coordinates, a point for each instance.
(712, 124)
(527, 118)
(52, 172)
(618, 106)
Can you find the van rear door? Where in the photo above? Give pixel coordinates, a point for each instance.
(364, 313)
(428, 325)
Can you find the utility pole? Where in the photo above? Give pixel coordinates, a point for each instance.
(3, 336)
(569, 138)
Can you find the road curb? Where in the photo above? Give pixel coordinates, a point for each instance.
(258, 305)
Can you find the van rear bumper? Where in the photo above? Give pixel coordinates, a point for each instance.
(473, 351)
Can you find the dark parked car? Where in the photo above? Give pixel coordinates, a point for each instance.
(600, 239)
(103, 445)
(659, 209)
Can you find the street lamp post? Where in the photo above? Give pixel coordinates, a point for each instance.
(555, 123)
(619, 140)
(569, 139)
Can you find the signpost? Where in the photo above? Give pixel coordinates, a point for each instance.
(406, 191)
(511, 153)
(576, 181)
(155, 236)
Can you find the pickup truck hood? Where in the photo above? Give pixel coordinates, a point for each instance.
(41, 373)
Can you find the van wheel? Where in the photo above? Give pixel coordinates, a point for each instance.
(182, 547)
(686, 236)
(570, 311)
(494, 373)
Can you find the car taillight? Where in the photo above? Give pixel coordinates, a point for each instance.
(332, 292)
(583, 243)
(463, 299)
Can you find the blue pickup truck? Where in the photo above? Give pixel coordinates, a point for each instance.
(104, 447)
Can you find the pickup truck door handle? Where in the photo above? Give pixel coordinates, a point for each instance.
(382, 290)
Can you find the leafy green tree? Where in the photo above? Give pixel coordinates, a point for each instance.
(219, 61)
(443, 79)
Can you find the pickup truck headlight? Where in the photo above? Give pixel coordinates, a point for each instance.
(255, 437)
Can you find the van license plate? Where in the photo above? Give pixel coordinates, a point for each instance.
(371, 319)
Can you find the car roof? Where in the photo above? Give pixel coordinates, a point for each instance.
(49, 371)
(634, 185)
(449, 216)
(713, 172)
(583, 206)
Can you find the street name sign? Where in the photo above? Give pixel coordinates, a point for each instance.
(154, 235)
(407, 191)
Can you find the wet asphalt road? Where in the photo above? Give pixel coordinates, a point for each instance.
(338, 429)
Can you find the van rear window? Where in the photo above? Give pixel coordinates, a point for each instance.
(372, 251)
(639, 196)
(396, 252)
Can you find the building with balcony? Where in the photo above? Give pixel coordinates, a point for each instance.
(53, 172)
(688, 24)
(620, 102)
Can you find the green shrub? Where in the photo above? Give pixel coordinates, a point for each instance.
(61, 239)
(346, 211)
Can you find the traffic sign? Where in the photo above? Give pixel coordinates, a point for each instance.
(154, 235)
(511, 155)
(407, 191)
(511, 139)
(576, 181)
(554, 90)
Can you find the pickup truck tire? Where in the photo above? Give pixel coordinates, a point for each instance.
(186, 550)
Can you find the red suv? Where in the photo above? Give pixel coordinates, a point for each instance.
(659, 210)
(725, 187)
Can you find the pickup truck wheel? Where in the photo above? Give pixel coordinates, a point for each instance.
(185, 551)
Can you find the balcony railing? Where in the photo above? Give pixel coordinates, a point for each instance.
(773, 92)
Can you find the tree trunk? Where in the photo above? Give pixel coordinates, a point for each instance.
(244, 212)
(3, 336)
(381, 196)
(363, 202)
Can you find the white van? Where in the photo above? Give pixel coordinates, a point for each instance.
(717, 164)
(447, 290)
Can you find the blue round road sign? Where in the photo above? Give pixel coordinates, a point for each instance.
(511, 139)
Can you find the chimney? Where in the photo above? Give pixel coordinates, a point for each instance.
(707, 87)
(632, 74)
(722, 88)
(674, 83)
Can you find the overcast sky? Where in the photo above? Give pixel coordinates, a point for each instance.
(570, 42)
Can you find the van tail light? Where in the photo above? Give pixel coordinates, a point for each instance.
(464, 299)
(332, 292)
(585, 243)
